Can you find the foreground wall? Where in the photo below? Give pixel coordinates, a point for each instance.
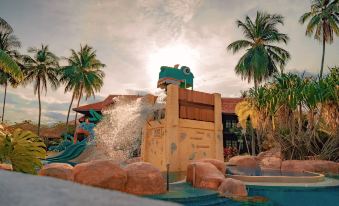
(191, 130)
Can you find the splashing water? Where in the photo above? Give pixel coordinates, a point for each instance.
(120, 131)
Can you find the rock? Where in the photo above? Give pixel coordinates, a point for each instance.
(144, 179)
(206, 175)
(7, 167)
(231, 187)
(270, 163)
(321, 166)
(274, 152)
(132, 160)
(101, 173)
(58, 170)
(18, 189)
(220, 165)
(244, 161)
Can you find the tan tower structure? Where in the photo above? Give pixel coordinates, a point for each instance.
(191, 129)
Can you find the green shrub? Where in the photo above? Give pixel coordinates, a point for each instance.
(23, 149)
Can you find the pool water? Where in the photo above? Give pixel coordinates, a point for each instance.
(297, 196)
(184, 194)
(236, 170)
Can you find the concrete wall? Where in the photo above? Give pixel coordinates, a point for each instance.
(176, 141)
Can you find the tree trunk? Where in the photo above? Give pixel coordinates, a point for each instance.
(39, 109)
(253, 140)
(252, 129)
(76, 113)
(4, 104)
(69, 110)
(300, 123)
(248, 149)
(322, 59)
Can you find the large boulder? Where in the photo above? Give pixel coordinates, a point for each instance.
(244, 161)
(144, 179)
(58, 170)
(206, 175)
(270, 163)
(220, 165)
(274, 152)
(101, 173)
(7, 167)
(230, 187)
(321, 166)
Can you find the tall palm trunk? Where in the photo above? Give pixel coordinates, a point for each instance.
(4, 104)
(253, 139)
(322, 59)
(252, 129)
(69, 110)
(76, 114)
(39, 109)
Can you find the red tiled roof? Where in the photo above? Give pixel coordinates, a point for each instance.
(228, 104)
(98, 106)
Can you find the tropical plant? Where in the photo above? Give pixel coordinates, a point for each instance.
(23, 149)
(83, 75)
(299, 113)
(8, 44)
(41, 69)
(262, 57)
(323, 23)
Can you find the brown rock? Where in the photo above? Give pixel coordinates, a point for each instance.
(58, 170)
(101, 173)
(232, 187)
(274, 152)
(7, 167)
(206, 175)
(144, 179)
(270, 163)
(132, 160)
(321, 166)
(244, 161)
(220, 165)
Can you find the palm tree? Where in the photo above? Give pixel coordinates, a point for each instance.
(323, 22)
(41, 69)
(8, 44)
(262, 57)
(83, 75)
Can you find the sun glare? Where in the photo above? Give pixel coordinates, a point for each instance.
(169, 56)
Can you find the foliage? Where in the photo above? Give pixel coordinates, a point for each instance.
(40, 70)
(8, 53)
(262, 58)
(323, 23)
(23, 150)
(300, 113)
(230, 152)
(83, 75)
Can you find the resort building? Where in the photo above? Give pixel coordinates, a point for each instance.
(229, 118)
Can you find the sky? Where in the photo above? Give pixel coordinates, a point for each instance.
(135, 37)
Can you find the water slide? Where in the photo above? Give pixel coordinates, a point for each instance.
(69, 153)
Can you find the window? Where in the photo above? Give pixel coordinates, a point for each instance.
(230, 123)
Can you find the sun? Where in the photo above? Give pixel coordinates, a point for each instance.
(169, 56)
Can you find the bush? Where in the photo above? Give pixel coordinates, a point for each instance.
(23, 149)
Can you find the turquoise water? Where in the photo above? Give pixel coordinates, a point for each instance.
(290, 196)
(236, 170)
(184, 194)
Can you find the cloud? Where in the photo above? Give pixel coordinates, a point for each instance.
(128, 33)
